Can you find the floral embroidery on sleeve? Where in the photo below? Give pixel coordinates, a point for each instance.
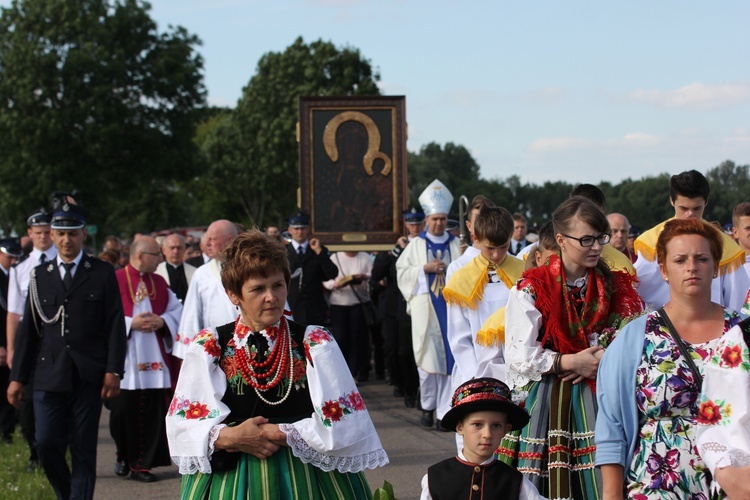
(210, 345)
(335, 410)
(731, 356)
(191, 410)
(316, 337)
(712, 412)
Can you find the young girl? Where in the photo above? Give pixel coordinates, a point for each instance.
(482, 413)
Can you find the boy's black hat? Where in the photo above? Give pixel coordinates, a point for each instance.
(484, 394)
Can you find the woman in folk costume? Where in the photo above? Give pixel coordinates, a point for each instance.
(421, 278)
(723, 432)
(265, 407)
(558, 318)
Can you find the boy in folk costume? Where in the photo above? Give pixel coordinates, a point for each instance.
(477, 290)
(421, 278)
(482, 413)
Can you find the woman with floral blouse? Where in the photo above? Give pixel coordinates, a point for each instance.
(265, 407)
(650, 379)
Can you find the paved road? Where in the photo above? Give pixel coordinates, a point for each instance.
(410, 448)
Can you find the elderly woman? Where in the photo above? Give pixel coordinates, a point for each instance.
(553, 321)
(265, 407)
(650, 379)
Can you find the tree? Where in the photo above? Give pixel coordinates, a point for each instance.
(254, 152)
(453, 165)
(730, 185)
(93, 97)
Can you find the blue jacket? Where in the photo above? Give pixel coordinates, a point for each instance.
(617, 423)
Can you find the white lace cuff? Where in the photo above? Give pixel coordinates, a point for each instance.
(327, 463)
(520, 374)
(213, 435)
(191, 465)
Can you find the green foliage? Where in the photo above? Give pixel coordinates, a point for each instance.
(93, 97)
(252, 154)
(730, 185)
(385, 492)
(645, 202)
(453, 165)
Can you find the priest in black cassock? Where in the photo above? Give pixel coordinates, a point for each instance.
(174, 269)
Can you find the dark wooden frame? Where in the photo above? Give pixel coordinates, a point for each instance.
(383, 121)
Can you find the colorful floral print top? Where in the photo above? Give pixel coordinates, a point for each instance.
(666, 463)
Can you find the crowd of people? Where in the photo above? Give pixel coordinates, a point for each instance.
(582, 361)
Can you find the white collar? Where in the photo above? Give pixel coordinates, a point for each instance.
(77, 260)
(486, 462)
(437, 239)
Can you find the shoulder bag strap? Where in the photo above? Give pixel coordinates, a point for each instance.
(681, 345)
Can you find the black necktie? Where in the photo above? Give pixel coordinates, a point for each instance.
(300, 253)
(518, 248)
(68, 278)
(42, 259)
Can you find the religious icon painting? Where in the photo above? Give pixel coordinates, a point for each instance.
(352, 157)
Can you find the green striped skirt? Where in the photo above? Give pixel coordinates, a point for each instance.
(280, 477)
(555, 451)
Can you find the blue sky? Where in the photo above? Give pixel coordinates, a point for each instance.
(580, 91)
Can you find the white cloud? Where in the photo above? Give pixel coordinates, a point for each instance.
(549, 96)
(641, 138)
(630, 141)
(695, 96)
(551, 144)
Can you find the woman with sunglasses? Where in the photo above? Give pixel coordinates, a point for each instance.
(557, 322)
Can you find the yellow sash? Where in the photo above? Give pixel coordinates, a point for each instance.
(493, 330)
(732, 256)
(466, 286)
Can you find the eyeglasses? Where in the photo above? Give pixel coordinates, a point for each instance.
(155, 254)
(588, 241)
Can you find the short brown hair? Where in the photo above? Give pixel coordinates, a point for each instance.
(480, 201)
(547, 239)
(519, 217)
(741, 210)
(678, 227)
(253, 254)
(494, 224)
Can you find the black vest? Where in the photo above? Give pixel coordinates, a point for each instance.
(452, 478)
(247, 404)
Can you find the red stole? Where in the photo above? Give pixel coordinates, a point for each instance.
(159, 302)
(152, 281)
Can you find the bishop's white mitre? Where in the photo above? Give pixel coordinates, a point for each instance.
(436, 199)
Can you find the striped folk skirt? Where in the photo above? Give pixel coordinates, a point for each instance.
(280, 477)
(555, 451)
